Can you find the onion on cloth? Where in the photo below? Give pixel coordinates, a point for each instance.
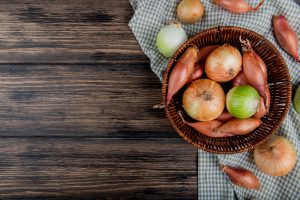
(276, 157)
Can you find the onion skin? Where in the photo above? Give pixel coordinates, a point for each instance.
(205, 51)
(197, 72)
(203, 100)
(190, 11)
(225, 116)
(240, 79)
(237, 6)
(276, 157)
(247, 47)
(241, 177)
(286, 36)
(170, 38)
(182, 72)
(262, 65)
(223, 63)
(262, 110)
(253, 73)
(206, 128)
(239, 126)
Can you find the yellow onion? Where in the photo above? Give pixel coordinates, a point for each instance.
(204, 100)
(223, 64)
(190, 11)
(276, 157)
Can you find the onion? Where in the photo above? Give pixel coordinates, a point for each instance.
(237, 6)
(223, 64)
(297, 100)
(224, 117)
(239, 126)
(207, 128)
(240, 79)
(247, 47)
(197, 73)
(190, 11)
(182, 72)
(205, 51)
(241, 177)
(242, 101)
(204, 100)
(276, 157)
(170, 38)
(286, 36)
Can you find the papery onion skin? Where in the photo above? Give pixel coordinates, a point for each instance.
(253, 73)
(205, 51)
(223, 64)
(190, 11)
(237, 6)
(262, 110)
(241, 177)
(182, 72)
(262, 65)
(170, 38)
(240, 79)
(203, 100)
(239, 126)
(246, 46)
(242, 101)
(207, 128)
(225, 116)
(286, 36)
(197, 72)
(276, 157)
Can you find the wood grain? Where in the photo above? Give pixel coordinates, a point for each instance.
(102, 168)
(76, 117)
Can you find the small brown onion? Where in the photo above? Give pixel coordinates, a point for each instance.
(197, 73)
(203, 100)
(223, 64)
(262, 110)
(237, 6)
(225, 116)
(240, 79)
(190, 11)
(286, 36)
(206, 128)
(239, 126)
(205, 51)
(276, 157)
(182, 72)
(241, 177)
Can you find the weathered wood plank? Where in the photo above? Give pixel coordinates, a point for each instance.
(81, 100)
(85, 31)
(102, 168)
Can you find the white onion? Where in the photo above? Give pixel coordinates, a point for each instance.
(169, 39)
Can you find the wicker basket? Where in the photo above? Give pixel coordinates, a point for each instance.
(278, 79)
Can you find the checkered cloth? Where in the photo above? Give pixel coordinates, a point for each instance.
(151, 15)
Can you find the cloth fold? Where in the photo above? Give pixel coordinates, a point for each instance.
(151, 15)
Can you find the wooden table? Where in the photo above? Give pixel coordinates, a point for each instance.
(76, 113)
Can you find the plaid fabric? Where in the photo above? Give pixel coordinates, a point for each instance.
(151, 15)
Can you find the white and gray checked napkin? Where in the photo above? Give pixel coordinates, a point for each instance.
(151, 15)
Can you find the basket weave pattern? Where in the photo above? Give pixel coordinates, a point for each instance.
(278, 80)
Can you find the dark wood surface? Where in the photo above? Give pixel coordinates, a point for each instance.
(76, 117)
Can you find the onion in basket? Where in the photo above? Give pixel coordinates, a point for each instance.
(204, 100)
(223, 64)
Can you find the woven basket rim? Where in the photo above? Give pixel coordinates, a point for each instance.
(171, 62)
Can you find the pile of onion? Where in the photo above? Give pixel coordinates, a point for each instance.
(204, 99)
